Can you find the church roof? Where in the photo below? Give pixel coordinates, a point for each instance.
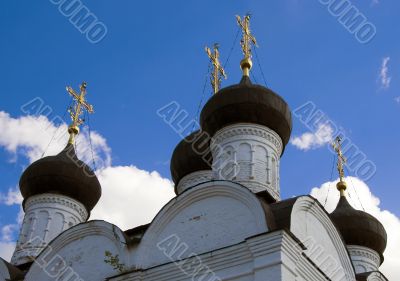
(62, 174)
(247, 103)
(282, 211)
(135, 234)
(192, 154)
(13, 272)
(359, 228)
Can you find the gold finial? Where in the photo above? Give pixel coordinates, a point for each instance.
(218, 69)
(246, 42)
(341, 185)
(76, 111)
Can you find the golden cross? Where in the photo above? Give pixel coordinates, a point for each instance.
(340, 164)
(246, 42)
(76, 111)
(218, 69)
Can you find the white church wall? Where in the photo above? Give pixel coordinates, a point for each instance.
(312, 226)
(80, 253)
(214, 231)
(266, 257)
(248, 154)
(46, 216)
(207, 217)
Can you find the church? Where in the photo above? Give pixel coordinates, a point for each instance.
(227, 221)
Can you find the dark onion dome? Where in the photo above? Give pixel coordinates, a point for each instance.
(359, 228)
(192, 154)
(247, 103)
(15, 273)
(62, 174)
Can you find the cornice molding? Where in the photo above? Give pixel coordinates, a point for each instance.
(363, 252)
(50, 198)
(265, 134)
(193, 179)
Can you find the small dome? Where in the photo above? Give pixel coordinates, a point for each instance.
(247, 103)
(62, 174)
(192, 154)
(359, 228)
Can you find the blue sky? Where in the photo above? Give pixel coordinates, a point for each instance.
(153, 54)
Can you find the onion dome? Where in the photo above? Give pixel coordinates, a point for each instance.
(358, 227)
(192, 154)
(247, 103)
(62, 174)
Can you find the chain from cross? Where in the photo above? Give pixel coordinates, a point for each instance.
(76, 111)
(218, 69)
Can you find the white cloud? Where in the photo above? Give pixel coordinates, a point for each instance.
(12, 197)
(397, 99)
(130, 196)
(7, 244)
(7, 232)
(384, 77)
(30, 136)
(359, 189)
(6, 250)
(306, 141)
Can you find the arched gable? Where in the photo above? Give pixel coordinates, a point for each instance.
(312, 226)
(206, 217)
(81, 252)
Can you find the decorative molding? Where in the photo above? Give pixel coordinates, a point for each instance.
(256, 187)
(57, 199)
(193, 179)
(241, 129)
(364, 252)
(364, 258)
(275, 255)
(376, 276)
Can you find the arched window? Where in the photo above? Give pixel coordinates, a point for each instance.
(41, 224)
(260, 166)
(226, 164)
(274, 174)
(244, 161)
